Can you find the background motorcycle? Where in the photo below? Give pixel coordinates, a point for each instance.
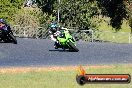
(7, 36)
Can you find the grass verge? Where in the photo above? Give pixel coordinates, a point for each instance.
(107, 33)
(58, 77)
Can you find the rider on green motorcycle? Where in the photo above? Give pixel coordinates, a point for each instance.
(55, 31)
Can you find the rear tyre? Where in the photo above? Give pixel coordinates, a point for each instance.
(73, 47)
(1, 39)
(6, 40)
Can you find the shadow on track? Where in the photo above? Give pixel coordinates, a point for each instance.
(60, 50)
(4, 42)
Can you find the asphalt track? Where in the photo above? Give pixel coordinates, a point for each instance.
(40, 52)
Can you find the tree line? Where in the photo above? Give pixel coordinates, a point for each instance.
(76, 13)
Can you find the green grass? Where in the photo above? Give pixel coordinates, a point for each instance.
(105, 27)
(112, 36)
(107, 33)
(61, 79)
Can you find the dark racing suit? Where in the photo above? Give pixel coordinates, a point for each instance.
(4, 30)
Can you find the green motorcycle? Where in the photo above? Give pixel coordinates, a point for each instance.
(66, 41)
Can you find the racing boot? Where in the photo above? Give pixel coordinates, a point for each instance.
(56, 45)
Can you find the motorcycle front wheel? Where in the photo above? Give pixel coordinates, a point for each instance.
(73, 47)
(13, 38)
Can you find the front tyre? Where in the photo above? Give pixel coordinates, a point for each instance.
(73, 47)
(13, 38)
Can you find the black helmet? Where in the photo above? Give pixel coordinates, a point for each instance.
(53, 29)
